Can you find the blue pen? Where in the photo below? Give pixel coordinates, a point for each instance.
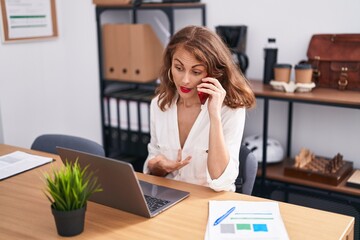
(224, 216)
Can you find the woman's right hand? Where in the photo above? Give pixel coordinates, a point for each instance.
(161, 166)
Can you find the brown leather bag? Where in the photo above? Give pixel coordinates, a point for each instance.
(335, 59)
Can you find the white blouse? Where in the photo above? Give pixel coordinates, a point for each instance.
(165, 140)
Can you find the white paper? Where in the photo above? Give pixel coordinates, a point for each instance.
(18, 162)
(29, 18)
(249, 220)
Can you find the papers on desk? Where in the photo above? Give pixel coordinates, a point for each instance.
(245, 220)
(18, 162)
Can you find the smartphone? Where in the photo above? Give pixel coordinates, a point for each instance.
(203, 96)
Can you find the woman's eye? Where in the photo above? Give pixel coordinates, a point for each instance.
(178, 68)
(197, 73)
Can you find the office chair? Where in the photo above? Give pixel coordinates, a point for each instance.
(49, 142)
(247, 171)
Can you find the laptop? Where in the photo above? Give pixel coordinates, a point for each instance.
(121, 188)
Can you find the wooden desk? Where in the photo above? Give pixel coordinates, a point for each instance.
(25, 213)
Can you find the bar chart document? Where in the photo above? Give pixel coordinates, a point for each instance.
(245, 220)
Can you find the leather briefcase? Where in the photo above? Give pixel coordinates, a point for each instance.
(335, 59)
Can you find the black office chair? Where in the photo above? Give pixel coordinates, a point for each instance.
(49, 142)
(247, 171)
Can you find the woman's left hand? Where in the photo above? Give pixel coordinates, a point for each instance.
(216, 93)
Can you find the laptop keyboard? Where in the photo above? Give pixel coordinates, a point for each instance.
(155, 203)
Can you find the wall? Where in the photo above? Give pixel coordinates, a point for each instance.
(1, 129)
(52, 86)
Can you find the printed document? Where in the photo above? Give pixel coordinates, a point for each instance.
(18, 162)
(29, 18)
(245, 220)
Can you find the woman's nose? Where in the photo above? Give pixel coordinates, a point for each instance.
(185, 79)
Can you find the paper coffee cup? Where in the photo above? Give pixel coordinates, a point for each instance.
(303, 73)
(282, 72)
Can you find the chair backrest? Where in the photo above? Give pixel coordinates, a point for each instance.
(247, 171)
(49, 142)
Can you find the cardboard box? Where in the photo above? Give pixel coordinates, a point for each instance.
(131, 53)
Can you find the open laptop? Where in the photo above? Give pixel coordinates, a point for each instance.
(121, 188)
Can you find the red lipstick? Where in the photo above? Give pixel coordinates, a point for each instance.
(185, 90)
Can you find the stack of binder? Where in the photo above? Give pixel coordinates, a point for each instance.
(127, 124)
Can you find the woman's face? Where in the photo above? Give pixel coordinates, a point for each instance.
(187, 73)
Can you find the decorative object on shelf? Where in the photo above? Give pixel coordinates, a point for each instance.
(270, 54)
(291, 86)
(335, 59)
(274, 153)
(303, 73)
(68, 190)
(319, 169)
(235, 39)
(282, 72)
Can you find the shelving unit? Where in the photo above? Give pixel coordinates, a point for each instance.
(272, 183)
(123, 101)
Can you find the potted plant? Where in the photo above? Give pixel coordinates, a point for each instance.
(68, 190)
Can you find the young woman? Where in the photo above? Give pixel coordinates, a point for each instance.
(190, 141)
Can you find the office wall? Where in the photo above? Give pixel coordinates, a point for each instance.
(1, 129)
(52, 86)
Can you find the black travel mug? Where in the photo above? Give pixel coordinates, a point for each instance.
(270, 60)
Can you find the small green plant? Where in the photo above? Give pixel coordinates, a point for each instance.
(70, 187)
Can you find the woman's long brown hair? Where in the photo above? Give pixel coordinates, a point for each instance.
(208, 48)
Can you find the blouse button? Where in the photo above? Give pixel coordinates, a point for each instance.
(207, 151)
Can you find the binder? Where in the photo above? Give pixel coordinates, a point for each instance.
(111, 137)
(106, 111)
(133, 112)
(123, 114)
(145, 117)
(134, 108)
(113, 112)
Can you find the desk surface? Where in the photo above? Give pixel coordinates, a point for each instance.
(25, 213)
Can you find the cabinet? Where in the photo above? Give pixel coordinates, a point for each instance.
(272, 183)
(125, 105)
